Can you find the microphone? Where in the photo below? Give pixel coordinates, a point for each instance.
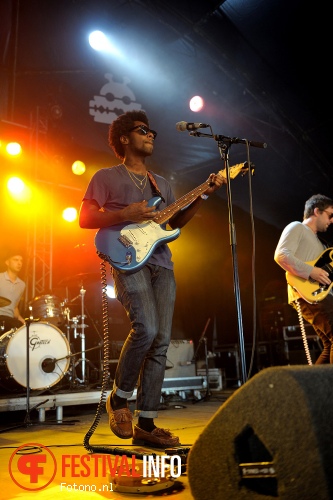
(183, 126)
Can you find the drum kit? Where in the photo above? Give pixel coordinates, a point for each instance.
(50, 327)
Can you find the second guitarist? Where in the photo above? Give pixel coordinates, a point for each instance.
(297, 252)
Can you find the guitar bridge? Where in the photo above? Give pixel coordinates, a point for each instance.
(124, 240)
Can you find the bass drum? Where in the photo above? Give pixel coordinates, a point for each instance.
(49, 308)
(49, 359)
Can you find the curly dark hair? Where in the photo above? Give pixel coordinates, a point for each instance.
(316, 201)
(121, 126)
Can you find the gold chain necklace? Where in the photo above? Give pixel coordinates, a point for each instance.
(142, 182)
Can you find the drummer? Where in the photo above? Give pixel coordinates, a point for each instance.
(11, 291)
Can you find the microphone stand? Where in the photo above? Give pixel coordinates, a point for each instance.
(224, 144)
(27, 420)
(224, 153)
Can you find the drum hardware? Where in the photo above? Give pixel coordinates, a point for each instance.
(80, 279)
(37, 335)
(71, 373)
(78, 326)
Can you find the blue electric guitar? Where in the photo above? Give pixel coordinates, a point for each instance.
(129, 247)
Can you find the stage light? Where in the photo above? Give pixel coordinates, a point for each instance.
(78, 167)
(15, 185)
(98, 41)
(14, 148)
(18, 190)
(69, 214)
(196, 103)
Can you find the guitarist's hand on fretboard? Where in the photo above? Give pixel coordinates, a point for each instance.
(216, 181)
(320, 275)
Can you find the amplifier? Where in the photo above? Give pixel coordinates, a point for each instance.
(293, 332)
(180, 362)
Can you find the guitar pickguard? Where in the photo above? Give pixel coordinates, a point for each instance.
(142, 237)
(129, 249)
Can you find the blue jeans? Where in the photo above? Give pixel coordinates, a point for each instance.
(148, 297)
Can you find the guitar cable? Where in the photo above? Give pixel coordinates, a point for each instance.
(106, 345)
(104, 390)
(303, 332)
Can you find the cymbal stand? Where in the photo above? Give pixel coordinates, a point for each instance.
(82, 327)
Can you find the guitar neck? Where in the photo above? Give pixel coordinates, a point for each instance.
(168, 212)
(176, 206)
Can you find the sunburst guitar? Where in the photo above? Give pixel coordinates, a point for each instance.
(128, 247)
(310, 290)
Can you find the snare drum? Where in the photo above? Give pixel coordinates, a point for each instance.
(48, 357)
(48, 307)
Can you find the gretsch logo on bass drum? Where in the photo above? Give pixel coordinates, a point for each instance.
(36, 342)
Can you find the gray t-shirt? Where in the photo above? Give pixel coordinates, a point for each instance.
(113, 189)
(297, 246)
(11, 291)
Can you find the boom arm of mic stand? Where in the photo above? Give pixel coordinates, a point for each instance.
(196, 133)
(230, 140)
(236, 140)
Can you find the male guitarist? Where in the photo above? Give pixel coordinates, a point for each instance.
(301, 252)
(116, 197)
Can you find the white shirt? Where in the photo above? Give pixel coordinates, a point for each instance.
(296, 250)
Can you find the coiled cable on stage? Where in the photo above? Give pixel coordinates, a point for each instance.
(105, 373)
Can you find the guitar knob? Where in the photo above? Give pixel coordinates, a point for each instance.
(128, 257)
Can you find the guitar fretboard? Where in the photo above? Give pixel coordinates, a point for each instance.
(176, 206)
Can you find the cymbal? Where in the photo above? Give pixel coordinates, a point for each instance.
(80, 279)
(4, 302)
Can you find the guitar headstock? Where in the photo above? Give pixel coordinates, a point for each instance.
(240, 168)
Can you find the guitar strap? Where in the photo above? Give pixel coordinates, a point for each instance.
(323, 241)
(154, 185)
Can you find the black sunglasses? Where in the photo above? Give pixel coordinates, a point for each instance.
(143, 130)
(330, 214)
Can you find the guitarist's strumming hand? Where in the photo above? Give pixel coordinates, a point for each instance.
(139, 212)
(320, 275)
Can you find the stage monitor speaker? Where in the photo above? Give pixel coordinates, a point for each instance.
(271, 439)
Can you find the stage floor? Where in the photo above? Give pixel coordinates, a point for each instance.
(66, 442)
